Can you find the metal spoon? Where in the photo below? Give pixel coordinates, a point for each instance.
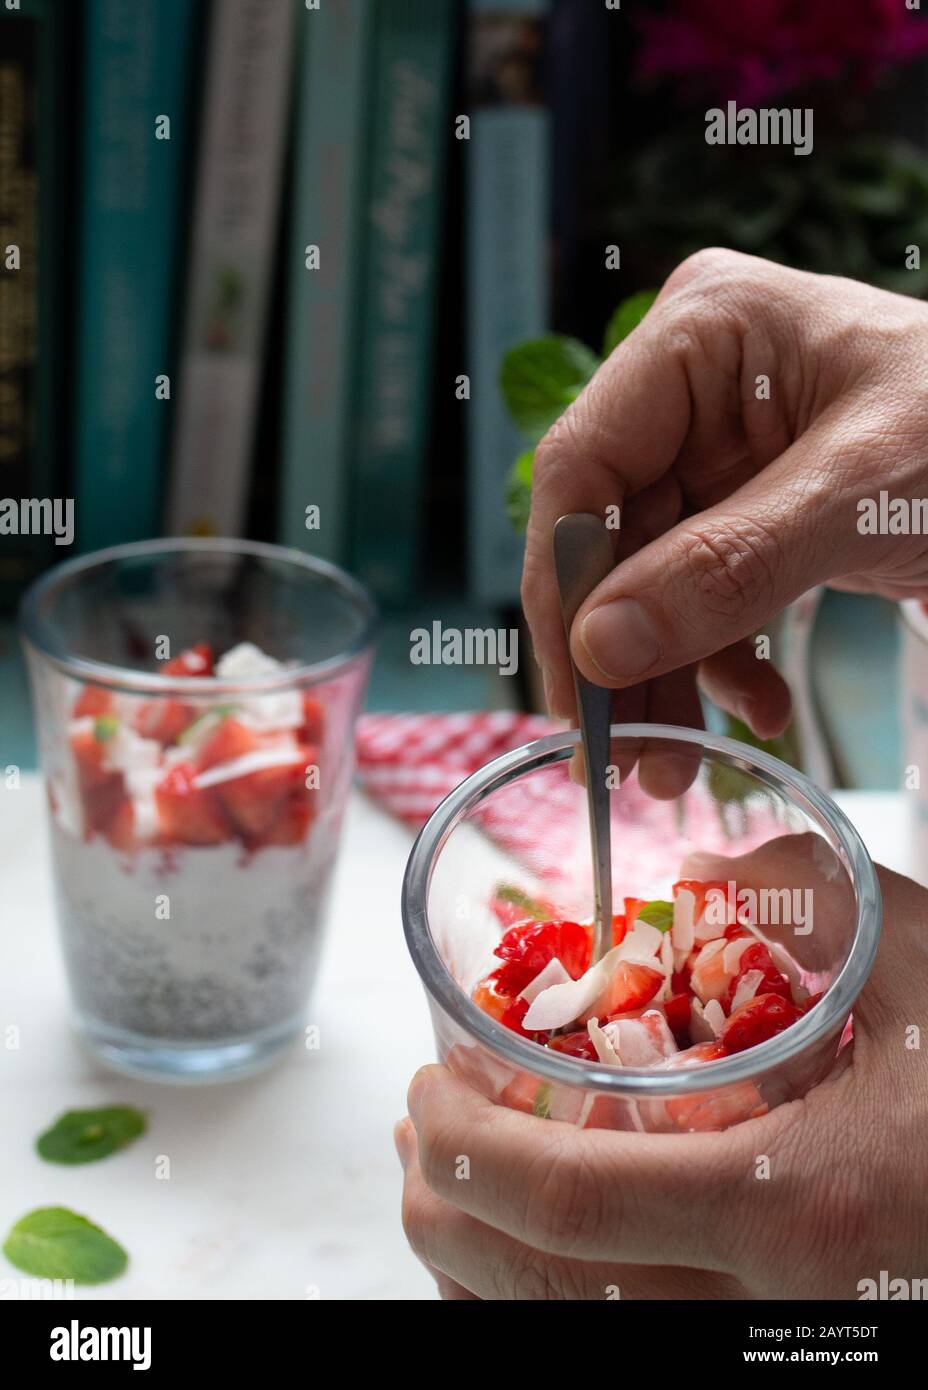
(582, 557)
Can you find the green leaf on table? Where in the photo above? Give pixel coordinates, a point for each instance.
(540, 378)
(627, 317)
(657, 914)
(519, 489)
(83, 1136)
(55, 1243)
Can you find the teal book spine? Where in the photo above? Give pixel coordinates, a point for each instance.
(137, 141)
(36, 56)
(508, 182)
(408, 139)
(335, 52)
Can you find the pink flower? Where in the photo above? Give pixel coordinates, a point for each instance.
(750, 50)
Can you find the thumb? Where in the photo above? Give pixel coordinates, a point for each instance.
(718, 576)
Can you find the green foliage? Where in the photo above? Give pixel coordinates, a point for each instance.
(541, 377)
(657, 914)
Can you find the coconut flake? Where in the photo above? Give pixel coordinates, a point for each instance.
(731, 959)
(244, 661)
(684, 910)
(255, 761)
(711, 949)
(715, 1016)
(559, 1005)
(603, 1044)
(746, 988)
(551, 974)
(281, 710)
(642, 1042)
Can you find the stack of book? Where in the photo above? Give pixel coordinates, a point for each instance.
(268, 257)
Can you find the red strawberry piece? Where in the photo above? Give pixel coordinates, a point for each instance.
(811, 1002)
(313, 719)
(759, 1019)
(757, 957)
(632, 907)
(513, 1016)
(631, 987)
(195, 661)
(619, 928)
(534, 944)
(701, 889)
(677, 1012)
(257, 800)
(291, 825)
(232, 739)
(101, 787)
(188, 814)
(121, 829)
(680, 980)
(93, 701)
(164, 719)
(523, 1092)
(492, 995)
(576, 1044)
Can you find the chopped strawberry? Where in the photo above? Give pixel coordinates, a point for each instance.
(189, 814)
(513, 1016)
(291, 825)
(102, 788)
(632, 907)
(496, 991)
(526, 1093)
(164, 719)
(677, 1013)
(89, 751)
(256, 801)
(619, 928)
(811, 1002)
(232, 739)
(313, 719)
(576, 1044)
(534, 944)
(121, 828)
(757, 957)
(759, 1019)
(195, 661)
(93, 700)
(631, 986)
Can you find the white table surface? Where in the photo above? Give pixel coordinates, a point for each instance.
(282, 1185)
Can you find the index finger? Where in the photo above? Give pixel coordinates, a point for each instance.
(622, 433)
(587, 1194)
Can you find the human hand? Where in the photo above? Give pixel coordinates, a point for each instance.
(550, 1211)
(731, 506)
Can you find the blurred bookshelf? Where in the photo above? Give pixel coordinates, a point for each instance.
(313, 258)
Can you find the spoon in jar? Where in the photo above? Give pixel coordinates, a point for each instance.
(583, 556)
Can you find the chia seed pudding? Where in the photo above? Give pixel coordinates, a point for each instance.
(192, 849)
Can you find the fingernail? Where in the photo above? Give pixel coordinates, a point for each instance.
(405, 1141)
(620, 639)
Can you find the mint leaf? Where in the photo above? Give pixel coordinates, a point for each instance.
(519, 489)
(628, 316)
(55, 1243)
(541, 1106)
(83, 1136)
(657, 914)
(215, 715)
(540, 378)
(532, 907)
(105, 727)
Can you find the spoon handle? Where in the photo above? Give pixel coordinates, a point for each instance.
(583, 556)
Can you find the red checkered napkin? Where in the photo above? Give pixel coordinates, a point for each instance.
(410, 762)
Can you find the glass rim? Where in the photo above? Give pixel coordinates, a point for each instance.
(638, 1082)
(34, 628)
